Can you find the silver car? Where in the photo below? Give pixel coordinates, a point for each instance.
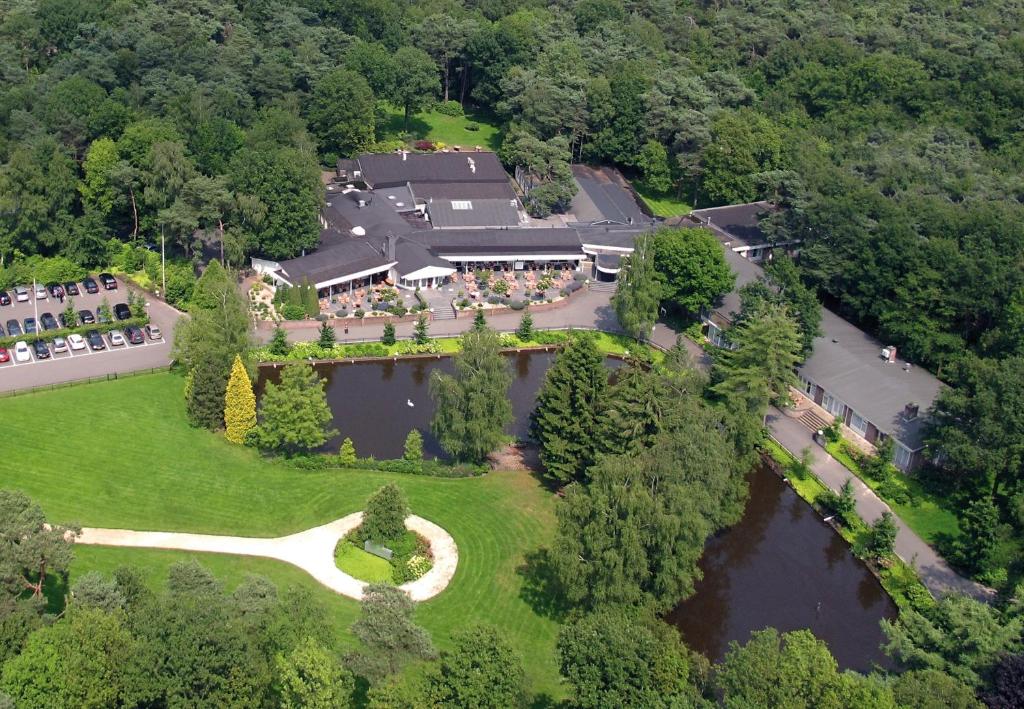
(20, 294)
(40, 292)
(60, 344)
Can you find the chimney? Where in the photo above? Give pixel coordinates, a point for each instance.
(892, 354)
(472, 165)
(405, 154)
(391, 243)
(910, 411)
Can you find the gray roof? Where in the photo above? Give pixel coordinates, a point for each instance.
(390, 169)
(378, 215)
(848, 364)
(480, 213)
(610, 236)
(740, 222)
(413, 256)
(462, 242)
(342, 257)
(602, 198)
(463, 190)
(746, 272)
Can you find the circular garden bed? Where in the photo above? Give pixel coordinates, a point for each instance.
(411, 558)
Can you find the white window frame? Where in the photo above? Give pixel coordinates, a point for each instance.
(861, 429)
(901, 455)
(829, 401)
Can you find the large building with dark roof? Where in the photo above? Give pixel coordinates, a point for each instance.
(413, 219)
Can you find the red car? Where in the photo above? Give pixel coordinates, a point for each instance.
(4, 356)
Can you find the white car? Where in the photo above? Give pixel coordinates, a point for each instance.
(116, 338)
(21, 294)
(41, 292)
(22, 352)
(60, 344)
(76, 342)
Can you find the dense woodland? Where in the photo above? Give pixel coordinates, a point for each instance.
(891, 132)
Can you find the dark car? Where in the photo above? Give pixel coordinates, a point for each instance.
(86, 317)
(56, 289)
(100, 317)
(95, 340)
(90, 285)
(122, 311)
(48, 321)
(134, 335)
(41, 350)
(5, 298)
(108, 281)
(30, 326)
(71, 288)
(2, 333)
(13, 328)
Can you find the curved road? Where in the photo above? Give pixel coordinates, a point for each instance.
(311, 550)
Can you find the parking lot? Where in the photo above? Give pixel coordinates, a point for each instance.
(84, 363)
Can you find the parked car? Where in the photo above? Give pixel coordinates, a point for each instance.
(30, 326)
(134, 334)
(21, 294)
(100, 317)
(2, 333)
(59, 345)
(21, 352)
(86, 317)
(48, 321)
(56, 289)
(95, 340)
(13, 328)
(90, 285)
(5, 298)
(4, 355)
(116, 338)
(41, 350)
(76, 341)
(40, 291)
(71, 288)
(122, 311)
(108, 281)
(153, 332)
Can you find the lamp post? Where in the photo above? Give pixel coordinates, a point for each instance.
(163, 263)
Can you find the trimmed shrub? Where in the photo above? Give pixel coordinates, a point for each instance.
(579, 277)
(493, 299)
(359, 313)
(449, 108)
(517, 304)
(323, 317)
(293, 312)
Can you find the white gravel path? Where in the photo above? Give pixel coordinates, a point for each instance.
(311, 550)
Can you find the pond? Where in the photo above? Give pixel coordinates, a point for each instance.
(780, 566)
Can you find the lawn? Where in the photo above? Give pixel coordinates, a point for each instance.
(450, 130)
(663, 205)
(126, 457)
(362, 564)
(923, 512)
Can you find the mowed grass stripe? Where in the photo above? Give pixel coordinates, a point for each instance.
(121, 454)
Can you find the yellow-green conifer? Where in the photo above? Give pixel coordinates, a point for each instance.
(239, 404)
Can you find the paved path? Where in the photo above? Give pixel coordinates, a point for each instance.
(311, 550)
(935, 573)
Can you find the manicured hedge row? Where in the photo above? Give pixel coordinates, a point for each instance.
(48, 335)
(432, 468)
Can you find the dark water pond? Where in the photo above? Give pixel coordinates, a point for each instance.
(780, 566)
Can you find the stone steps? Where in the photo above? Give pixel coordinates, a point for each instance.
(814, 421)
(604, 287)
(444, 313)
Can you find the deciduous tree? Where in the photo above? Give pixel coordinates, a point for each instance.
(481, 670)
(294, 414)
(30, 547)
(692, 267)
(390, 639)
(639, 291)
(311, 678)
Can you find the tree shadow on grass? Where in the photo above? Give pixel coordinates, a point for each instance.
(541, 589)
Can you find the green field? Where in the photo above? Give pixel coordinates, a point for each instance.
(121, 454)
(663, 205)
(450, 130)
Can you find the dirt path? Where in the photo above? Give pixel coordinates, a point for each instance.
(311, 550)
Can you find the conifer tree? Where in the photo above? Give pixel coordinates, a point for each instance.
(295, 415)
(525, 330)
(239, 404)
(639, 292)
(326, 339)
(479, 321)
(570, 405)
(347, 453)
(413, 451)
(279, 346)
(388, 338)
(419, 332)
(385, 513)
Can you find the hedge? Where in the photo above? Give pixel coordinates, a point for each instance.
(432, 468)
(49, 335)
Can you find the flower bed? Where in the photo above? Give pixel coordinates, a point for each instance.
(411, 558)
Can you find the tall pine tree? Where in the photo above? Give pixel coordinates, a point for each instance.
(239, 404)
(570, 405)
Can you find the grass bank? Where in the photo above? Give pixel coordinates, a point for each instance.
(466, 131)
(662, 205)
(139, 465)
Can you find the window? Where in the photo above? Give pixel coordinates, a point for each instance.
(901, 456)
(462, 205)
(857, 423)
(833, 405)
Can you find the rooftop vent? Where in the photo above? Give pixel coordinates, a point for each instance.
(391, 196)
(358, 231)
(910, 411)
(889, 354)
(906, 366)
